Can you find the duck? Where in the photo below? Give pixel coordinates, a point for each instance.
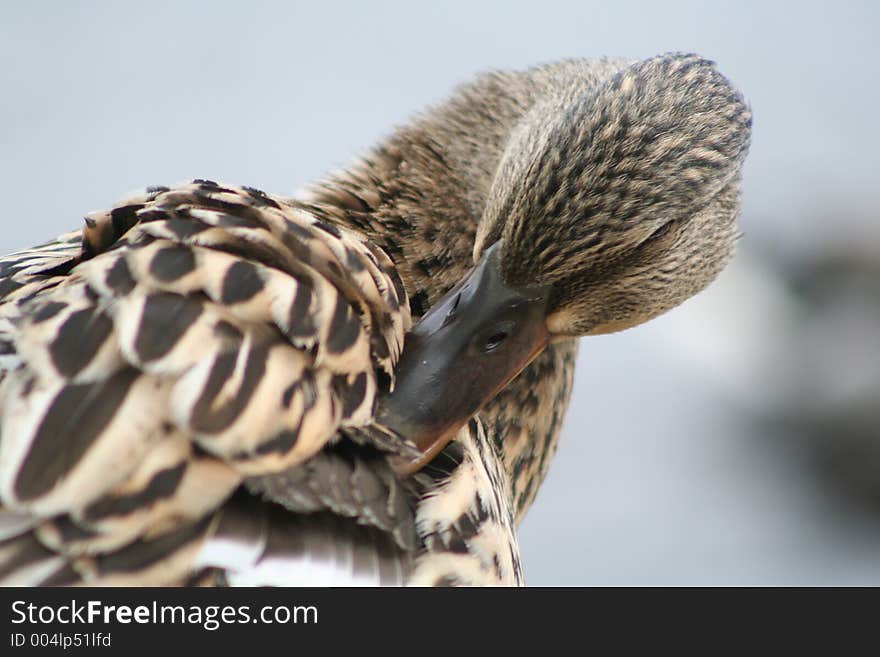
(362, 383)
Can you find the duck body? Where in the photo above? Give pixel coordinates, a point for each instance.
(188, 385)
(201, 386)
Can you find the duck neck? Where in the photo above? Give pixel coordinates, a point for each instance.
(420, 196)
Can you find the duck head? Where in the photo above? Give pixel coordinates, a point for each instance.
(608, 207)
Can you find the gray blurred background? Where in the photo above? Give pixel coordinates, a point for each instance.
(732, 441)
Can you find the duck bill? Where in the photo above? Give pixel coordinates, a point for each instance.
(468, 346)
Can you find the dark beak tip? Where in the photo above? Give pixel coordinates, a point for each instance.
(443, 377)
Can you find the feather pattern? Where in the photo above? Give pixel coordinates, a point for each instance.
(189, 385)
(188, 340)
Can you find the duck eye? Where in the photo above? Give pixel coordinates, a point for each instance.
(661, 231)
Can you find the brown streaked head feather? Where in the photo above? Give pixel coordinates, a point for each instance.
(634, 178)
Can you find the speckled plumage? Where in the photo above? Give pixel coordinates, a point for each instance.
(201, 335)
(189, 385)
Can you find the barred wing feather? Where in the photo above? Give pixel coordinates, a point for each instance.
(188, 341)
